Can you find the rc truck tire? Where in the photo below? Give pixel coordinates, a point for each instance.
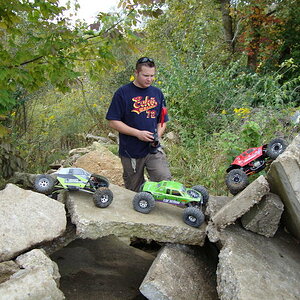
(103, 197)
(236, 181)
(276, 147)
(203, 191)
(143, 202)
(193, 216)
(44, 184)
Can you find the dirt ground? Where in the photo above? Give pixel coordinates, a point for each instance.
(102, 162)
(103, 269)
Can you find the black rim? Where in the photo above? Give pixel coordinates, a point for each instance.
(236, 178)
(277, 147)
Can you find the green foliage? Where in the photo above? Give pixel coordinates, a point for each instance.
(251, 133)
(10, 161)
(33, 41)
(234, 142)
(189, 29)
(217, 107)
(203, 101)
(51, 123)
(206, 162)
(38, 46)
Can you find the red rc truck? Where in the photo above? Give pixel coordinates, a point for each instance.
(250, 162)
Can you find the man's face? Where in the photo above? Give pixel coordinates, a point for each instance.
(144, 76)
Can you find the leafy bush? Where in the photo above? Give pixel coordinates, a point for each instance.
(219, 112)
(198, 98)
(206, 161)
(50, 124)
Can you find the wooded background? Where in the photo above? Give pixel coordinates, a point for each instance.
(229, 71)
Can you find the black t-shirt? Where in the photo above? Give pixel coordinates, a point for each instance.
(139, 108)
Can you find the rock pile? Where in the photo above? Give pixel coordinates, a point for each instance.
(254, 234)
(26, 220)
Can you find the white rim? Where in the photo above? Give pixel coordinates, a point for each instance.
(44, 183)
(104, 198)
(192, 219)
(143, 203)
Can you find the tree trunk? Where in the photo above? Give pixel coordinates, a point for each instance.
(254, 44)
(252, 59)
(227, 25)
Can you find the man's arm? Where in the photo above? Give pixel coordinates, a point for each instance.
(161, 129)
(143, 135)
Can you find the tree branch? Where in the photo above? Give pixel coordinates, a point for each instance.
(237, 30)
(88, 38)
(111, 27)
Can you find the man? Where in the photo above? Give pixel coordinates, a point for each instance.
(138, 113)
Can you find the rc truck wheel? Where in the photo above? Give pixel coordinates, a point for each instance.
(276, 147)
(103, 197)
(203, 191)
(236, 181)
(143, 202)
(44, 184)
(193, 216)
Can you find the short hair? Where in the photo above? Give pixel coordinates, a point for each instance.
(144, 61)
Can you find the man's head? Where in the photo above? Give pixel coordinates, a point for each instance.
(144, 61)
(144, 72)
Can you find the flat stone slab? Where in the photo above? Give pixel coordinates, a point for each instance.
(215, 203)
(163, 224)
(252, 266)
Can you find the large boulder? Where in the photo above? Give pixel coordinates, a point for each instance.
(35, 279)
(252, 266)
(24, 179)
(60, 242)
(37, 258)
(103, 162)
(264, 217)
(180, 272)
(283, 176)
(27, 219)
(163, 224)
(7, 268)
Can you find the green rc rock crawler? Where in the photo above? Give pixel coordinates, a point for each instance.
(75, 179)
(175, 193)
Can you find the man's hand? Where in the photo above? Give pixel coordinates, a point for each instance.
(145, 136)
